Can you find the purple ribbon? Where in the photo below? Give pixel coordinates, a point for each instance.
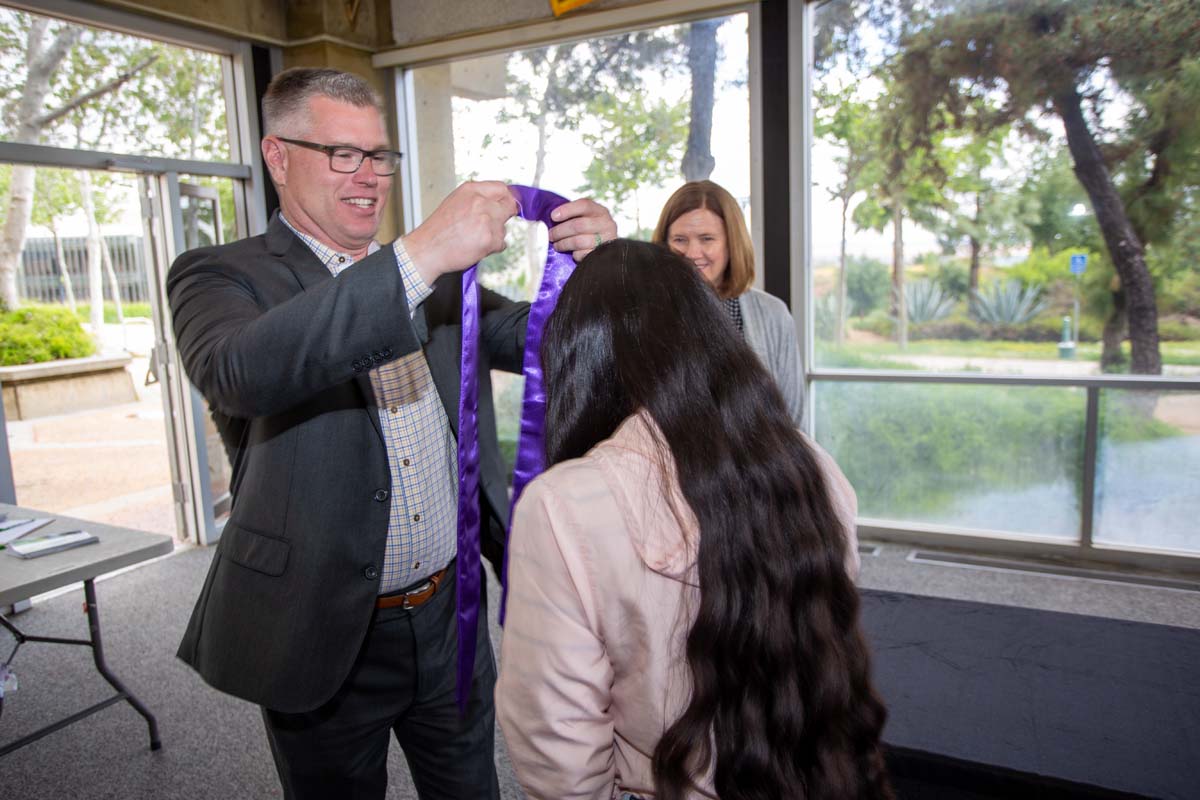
(534, 205)
(467, 584)
(531, 454)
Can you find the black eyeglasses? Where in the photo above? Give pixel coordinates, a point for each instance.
(343, 158)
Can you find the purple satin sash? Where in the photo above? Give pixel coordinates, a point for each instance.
(534, 205)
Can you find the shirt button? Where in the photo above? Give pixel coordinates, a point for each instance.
(341, 259)
(381, 495)
(392, 410)
(405, 462)
(371, 572)
(416, 517)
(416, 565)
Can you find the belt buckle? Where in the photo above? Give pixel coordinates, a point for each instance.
(422, 588)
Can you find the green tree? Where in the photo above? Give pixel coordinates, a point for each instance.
(637, 145)
(848, 124)
(903, 181)
(982, 207)
(1069, 59)
(43, 100)
(56, 195)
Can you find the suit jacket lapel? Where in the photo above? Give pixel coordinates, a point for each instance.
(302, 262)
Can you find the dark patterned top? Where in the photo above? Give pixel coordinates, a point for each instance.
(734, 309)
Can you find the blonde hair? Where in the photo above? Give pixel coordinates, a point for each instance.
(695, 195)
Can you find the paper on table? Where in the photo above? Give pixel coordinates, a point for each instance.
(16, 528)
(36, 546)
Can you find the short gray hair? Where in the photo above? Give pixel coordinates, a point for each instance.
(285, 103)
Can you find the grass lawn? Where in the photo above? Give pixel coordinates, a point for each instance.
(1182, 353)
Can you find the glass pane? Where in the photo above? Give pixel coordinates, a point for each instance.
(86, 443)
(199, 221)
(1148, 469)
(952, 230)
(516, 273)
(608, 118)
(109, 91)
(997, 458)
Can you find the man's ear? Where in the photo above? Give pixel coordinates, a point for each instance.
(275, 157)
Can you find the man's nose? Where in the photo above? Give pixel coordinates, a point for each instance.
(365, 174)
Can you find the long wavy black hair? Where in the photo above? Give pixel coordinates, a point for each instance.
(782, 703)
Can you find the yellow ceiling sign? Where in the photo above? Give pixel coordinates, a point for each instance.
(560, 7)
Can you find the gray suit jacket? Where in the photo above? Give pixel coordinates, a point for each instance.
(281, 351)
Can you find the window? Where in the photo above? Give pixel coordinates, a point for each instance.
(961, 226)
(607, 118)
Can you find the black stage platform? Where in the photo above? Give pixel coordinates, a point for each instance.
(989, 701)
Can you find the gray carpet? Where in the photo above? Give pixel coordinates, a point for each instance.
(213, 745)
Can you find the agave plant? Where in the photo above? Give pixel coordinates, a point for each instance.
(926, 301)
(1008, 303)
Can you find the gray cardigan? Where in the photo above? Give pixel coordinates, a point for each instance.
(771, 334)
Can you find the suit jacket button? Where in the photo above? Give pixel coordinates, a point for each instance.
(357, 365)
(387, 352)
(371, 572)
(381, 495)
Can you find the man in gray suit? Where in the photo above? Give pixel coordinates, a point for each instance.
(331, 365)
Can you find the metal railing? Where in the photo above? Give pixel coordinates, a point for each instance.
(1082, 549)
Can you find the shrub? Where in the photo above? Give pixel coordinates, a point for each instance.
(38, 333)
(130, 310)
(957, 326)
(909, 449)
(926, 301)
(825, 316)
(952, 276)
(868, 285)
(1042, 268)
(878, 323)
(1178, 330)
(1007, 303)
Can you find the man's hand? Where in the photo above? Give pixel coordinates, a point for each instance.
(582, 224)
(465, 227)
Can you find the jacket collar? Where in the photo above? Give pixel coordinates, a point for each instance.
(295, 255)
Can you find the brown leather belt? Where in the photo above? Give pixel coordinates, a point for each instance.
(412, 598)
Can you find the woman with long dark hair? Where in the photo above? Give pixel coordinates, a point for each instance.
(682, 620)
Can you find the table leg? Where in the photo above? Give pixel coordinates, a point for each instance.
(95, 642)
(93, 613)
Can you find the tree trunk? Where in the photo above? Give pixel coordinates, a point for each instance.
(1124, 247)
(698, 161)
(898, 272)
(64, 269)
(20, 209)
(973, 275)
(839, 334)
(94, 245)
(41, 65)
(533, 239)
(1111, 358)
(114, 288)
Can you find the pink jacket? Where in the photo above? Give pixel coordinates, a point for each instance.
(599, 570)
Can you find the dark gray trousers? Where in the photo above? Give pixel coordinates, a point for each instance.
(401, 683)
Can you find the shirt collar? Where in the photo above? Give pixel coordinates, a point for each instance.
(333, 260)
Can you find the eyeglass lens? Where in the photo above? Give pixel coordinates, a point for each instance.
(349, 159)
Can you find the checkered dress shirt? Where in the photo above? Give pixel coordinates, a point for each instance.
(422, 456)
